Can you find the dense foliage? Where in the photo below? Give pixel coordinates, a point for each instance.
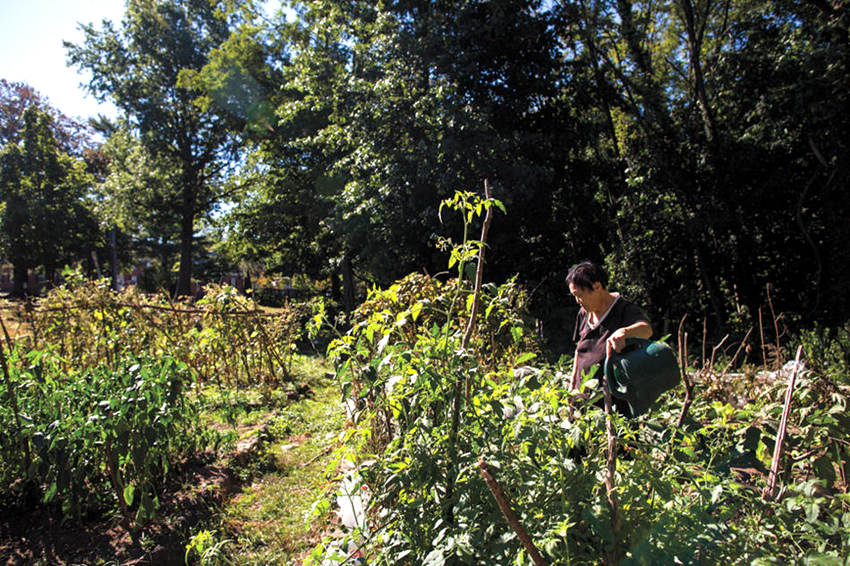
(138, 67)
(101, 390)
(436, 397)
(45, 217)
(697, 148)
(690, 495)
(85, 441)
(691, 146)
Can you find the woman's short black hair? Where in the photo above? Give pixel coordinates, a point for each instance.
(583, 275)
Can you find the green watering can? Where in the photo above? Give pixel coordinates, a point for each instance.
(641, 373)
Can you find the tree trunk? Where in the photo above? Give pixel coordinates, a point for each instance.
(20, 278)
(694, 47)
(336, 295)
(187, 234)
(347, 284)
(708, 280)
(113, 249)
(49, 276)
(247, 285)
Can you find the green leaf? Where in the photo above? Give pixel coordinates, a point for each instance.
(50, 493)
(522, 358)
(812, 511)
(129, 493)
(146, 508)
(821, 560)
(516, 332)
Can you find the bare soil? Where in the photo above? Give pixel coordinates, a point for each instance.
(192, 495)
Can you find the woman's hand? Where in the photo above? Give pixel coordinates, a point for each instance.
(617, 341)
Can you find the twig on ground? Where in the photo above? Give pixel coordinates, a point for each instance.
(315, 458)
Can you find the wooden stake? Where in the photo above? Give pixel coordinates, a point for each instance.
(462, 384)
(770, 491)
(686, 379)
(509, 514)
(611, 470)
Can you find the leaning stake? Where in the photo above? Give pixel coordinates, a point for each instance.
(611, 468)
(770, 490)
(12, 395)
(505, 506)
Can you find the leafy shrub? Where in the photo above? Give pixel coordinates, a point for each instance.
(691, 495)
(828, 351)
(99, 438)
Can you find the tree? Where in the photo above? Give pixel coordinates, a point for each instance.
(277, 226)
(72, 136)
(134, 199)
(413, 100)
(45, 217)
(139, 67)
(692, 145)
(718, 116)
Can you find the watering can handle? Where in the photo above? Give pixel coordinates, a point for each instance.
(608, 367)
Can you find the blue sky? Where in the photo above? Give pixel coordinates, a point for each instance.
(31, 35)
(31, 51)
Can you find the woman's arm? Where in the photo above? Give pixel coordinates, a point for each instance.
(574, 378)
(640, 329)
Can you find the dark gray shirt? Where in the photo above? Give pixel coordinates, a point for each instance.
(590, 342)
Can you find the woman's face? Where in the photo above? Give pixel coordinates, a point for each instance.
(588, 299)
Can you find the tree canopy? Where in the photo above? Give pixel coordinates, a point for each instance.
(44, 219)
(697, 148)
(138, 66)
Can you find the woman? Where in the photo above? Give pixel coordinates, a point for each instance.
(604, 321)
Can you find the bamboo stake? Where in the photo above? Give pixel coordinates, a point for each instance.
(769, 491)
(170, 309)
(12, 393)
(510, 516)
(462, 384)
(686, 379)
(611, 469)
(479, 269)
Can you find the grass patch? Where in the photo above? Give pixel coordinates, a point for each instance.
(266, 522)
